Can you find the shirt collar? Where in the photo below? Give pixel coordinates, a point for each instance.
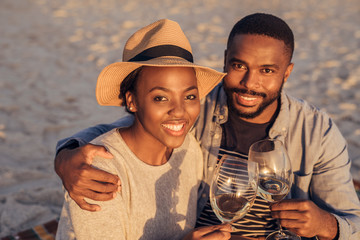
(221, 109)
(281, 124)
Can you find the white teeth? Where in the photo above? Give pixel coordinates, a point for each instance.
(248, 98)
(173, 127)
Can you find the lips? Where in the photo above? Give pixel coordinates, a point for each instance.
(175, 129)
(247, 100)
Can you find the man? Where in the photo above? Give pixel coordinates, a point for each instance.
(250, 105)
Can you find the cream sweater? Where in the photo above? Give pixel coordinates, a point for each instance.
(156, 202)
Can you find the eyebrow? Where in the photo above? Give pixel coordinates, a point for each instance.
(263, 66)
(168, 90)
(271, 66)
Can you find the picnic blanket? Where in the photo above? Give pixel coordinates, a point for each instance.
(47, 231)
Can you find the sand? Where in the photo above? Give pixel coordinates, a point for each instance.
(52, 51)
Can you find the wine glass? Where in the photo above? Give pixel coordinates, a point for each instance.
(233, 188)
(275, 176)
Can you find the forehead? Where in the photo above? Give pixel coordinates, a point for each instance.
(167, 77)
(257, 47)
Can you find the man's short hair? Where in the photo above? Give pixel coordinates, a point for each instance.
(267, 25)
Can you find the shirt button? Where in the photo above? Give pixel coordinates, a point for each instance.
(216, 136)
(210, 168)
(221, 117)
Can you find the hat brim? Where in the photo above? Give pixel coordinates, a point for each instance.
(111, 77)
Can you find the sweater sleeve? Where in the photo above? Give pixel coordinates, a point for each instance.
(76, 223)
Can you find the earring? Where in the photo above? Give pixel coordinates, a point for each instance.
(130, 108)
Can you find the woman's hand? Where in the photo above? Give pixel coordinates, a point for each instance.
(217, 232)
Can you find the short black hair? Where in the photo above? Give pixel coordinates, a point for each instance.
(267, 25)
(129, 84)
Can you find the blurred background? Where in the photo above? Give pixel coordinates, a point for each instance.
(51, 53)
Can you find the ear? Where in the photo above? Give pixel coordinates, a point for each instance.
(225, 54)
(130, 101)
(288, 71)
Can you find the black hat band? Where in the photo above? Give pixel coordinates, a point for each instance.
(163, 51)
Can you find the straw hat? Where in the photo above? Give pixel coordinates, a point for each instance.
(161, 44)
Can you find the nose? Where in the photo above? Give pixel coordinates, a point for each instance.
(177, 108)
(250, 80)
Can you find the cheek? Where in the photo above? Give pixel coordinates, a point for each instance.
(151, 113)
(194, 110)
(233, 78)
(273, 85)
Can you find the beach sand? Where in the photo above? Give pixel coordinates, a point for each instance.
(52, 51)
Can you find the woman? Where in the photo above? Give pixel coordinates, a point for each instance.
(159, 164)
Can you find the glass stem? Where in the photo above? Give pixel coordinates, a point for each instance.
(280, 228)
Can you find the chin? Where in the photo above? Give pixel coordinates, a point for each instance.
(175, 143)
(246, 114)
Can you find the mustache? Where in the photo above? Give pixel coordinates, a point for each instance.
(249, 92)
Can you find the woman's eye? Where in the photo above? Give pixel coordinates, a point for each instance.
(160, 98)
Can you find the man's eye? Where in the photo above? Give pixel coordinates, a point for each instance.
(191, 97)
(160, 98)
(238, 66)
(267, 70)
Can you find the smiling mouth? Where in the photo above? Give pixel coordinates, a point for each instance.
(174, 127)
(248, 100)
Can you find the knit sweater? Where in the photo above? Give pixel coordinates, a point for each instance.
(156, 202)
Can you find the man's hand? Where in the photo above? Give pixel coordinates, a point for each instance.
(305, 218)
(82, 180)
(217, 232)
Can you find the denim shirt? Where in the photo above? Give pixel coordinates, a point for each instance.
(317, 150)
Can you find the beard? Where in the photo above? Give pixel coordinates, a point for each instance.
(268, 100)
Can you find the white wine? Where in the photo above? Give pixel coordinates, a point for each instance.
(229, 207)
(272, 189)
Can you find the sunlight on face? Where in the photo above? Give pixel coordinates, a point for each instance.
(167, 104)
(257, 68)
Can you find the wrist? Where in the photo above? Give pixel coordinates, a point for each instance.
(60, 158)
(59, 161)
(72, 144)
(331, 230)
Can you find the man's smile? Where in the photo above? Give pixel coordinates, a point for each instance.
(247, 98)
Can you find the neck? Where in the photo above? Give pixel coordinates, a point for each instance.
(144, 147)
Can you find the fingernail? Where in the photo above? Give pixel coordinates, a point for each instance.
(114, 195)
(119, 183)
(119, 188)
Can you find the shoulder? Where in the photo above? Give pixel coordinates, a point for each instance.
(302, 105)
(113, 143)
(303, 109)
(105, 138)
(312, 119)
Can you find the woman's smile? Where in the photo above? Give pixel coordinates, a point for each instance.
(175, 129)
